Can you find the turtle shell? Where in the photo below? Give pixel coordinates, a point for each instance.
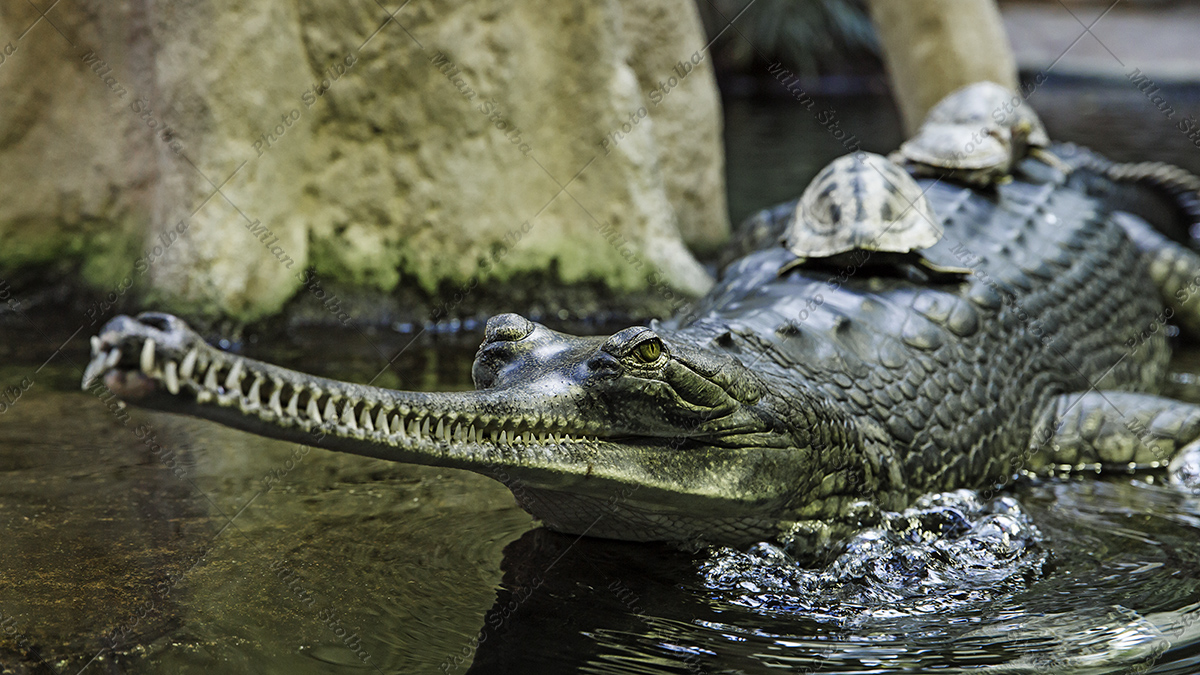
(959, 147)
(987, 103)
(861, 202)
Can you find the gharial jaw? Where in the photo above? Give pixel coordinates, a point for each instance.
(169, 367)
(681, 447)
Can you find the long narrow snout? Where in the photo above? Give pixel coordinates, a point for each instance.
(158, 362)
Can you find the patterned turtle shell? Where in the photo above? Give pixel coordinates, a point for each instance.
(861, 202)
(961, 147)
(989, 104)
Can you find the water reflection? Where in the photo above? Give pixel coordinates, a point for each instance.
(1095, 606)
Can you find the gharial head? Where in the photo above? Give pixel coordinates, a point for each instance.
(641, 435)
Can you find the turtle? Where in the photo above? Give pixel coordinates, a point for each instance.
(976, 134)
(977, 156)
(863, 207)
(989, 104)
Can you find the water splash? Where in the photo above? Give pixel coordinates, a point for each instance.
(950, 551)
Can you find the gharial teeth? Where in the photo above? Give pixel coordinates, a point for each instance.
(414, 429)
(95, 345)
(233, 380)
(210, 378)
(254, 393)
(364, 420)
(114, 355)
(148, 356)
(313, 413)
(171, 377)
(381, 422)
(291, 406)
(440, 427)
(189, 363)
(330, 411)
(348, 416)
(274, 404)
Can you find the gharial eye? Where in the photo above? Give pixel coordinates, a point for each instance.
(649, 351)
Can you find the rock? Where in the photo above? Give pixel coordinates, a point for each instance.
(689, 120)
(450, 147)
(932, 48)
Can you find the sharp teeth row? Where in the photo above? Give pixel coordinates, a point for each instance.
(462, 431)
(200, 372)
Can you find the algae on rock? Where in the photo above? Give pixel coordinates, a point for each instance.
(455, 144)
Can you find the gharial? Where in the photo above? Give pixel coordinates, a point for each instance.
(792, 406)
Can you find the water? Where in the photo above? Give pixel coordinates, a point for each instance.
(774, 146)
(119, 556)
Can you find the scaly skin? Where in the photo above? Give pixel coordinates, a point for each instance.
(786, 407)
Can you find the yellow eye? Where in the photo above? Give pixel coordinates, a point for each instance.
(649, 351)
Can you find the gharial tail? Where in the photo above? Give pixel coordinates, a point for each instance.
(1165, 195)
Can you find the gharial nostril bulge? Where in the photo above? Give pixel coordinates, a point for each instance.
(507, 327)
(158, 320)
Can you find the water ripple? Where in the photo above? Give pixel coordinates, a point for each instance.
(947, 552)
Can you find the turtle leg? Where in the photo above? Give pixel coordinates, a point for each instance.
(1174, 268)
(1119, 429)
(1049, 158)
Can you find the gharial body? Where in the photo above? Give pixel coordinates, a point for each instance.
(792, 406)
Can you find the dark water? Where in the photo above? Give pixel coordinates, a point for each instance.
(774, 145)
(210, 550)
